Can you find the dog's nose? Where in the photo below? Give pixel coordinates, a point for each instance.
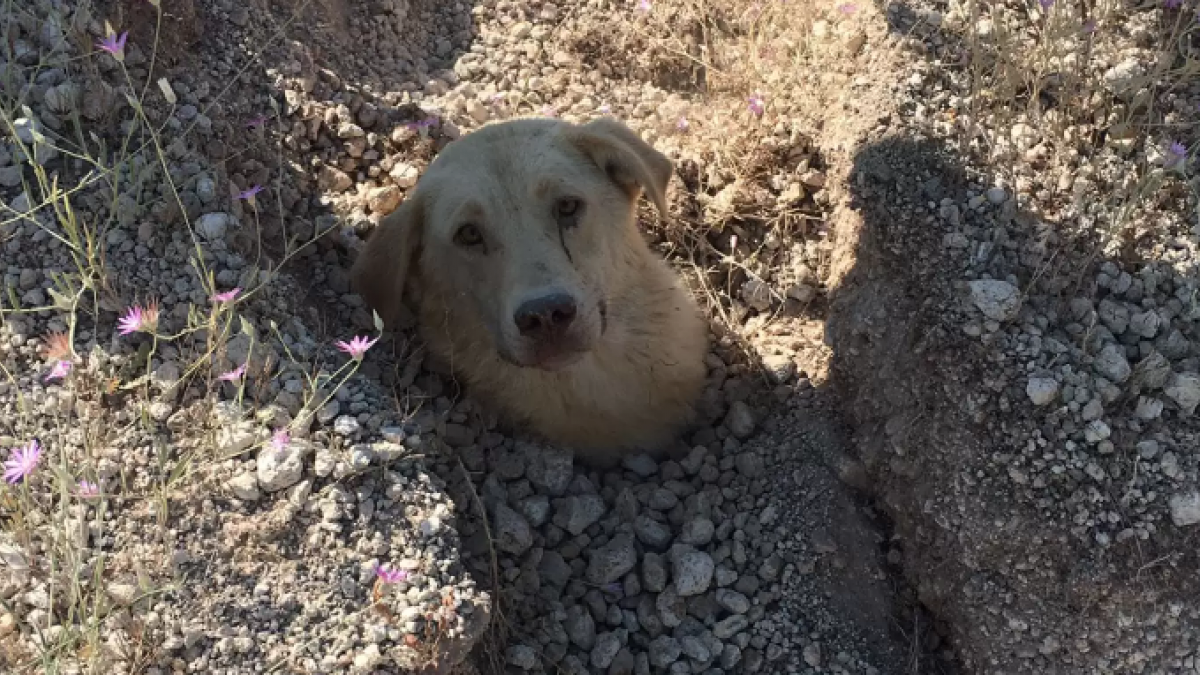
(544, 316)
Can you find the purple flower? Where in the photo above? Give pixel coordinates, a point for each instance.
(1175, 156)
(249, 194)
(1172, 4)
(87, 489)
(22, 461)
(227, 296)
(1046, 4)
(280, 439)
(357, 346)
(233, 375)
(423, 124)
(256, 121)
(115, 45)
(60, 370)
(757, 106)
(549, 111)
(139, 320)
(682, 124)
(848, 8)
(643, 6)
(606, 109)
(390, 576)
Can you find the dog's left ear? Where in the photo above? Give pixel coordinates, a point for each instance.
(628, 160)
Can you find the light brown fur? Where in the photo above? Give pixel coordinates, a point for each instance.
(627, 372)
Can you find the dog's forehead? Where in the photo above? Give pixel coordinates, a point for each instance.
(504, 162)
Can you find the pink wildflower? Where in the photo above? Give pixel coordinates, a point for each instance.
(233, 375)
(22, 461)
(357, 346)
(60, 370)
(115, 45)
(390, 576)
(248, 194)
(87, 489)
(757, 105)
(227, 296)
(138, 319)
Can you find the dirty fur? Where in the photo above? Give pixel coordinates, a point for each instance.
(628, 372)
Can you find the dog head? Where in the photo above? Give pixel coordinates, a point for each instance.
(524, 226)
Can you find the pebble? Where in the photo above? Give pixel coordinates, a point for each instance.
(576, 513)
(279, 468)
(997, 299)
(512, 532)
(1185, 509)
(1042, 390)
(212, 226)
(1184, 390)
(692, 571)
(1112, 364)
(740, 420)
(610, 562)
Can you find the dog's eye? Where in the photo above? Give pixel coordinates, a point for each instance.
(567, 211)
(468, 236)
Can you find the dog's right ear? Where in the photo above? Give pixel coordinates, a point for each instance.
(383, 266)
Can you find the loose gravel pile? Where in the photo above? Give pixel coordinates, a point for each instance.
(1022, 384)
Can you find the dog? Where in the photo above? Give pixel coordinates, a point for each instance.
(520, 253)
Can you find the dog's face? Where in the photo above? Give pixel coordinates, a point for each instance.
(520, 226)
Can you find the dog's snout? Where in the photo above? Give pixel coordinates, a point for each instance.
(545, 316)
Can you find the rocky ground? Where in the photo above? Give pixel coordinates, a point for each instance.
(949, 251)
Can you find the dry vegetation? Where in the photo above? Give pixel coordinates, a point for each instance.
(175, 219)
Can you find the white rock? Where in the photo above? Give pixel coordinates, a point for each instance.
(245, 487)
(279, 468)
(1096, 431)
(1042, 390)
(1185, 509)
(998, 300)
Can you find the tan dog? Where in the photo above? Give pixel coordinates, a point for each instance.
(520, 250)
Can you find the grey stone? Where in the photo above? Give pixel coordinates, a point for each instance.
(549, 469)
(997, 299)
(212, 226)
(577, 512)
(623, 663)
(580, 627)
(512, 532)
(610, 562)
(671, 608)
(740, 420)
(1184, 390)
(697, 532)
(521, 656)
(730, 626)
(1185, 509)
(652, 533)
(605, 650)
(732, 601)
(1112, 364)
(654, 573)
(1041, 390)
(692, 571)
(641, 464)
(664, 650)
